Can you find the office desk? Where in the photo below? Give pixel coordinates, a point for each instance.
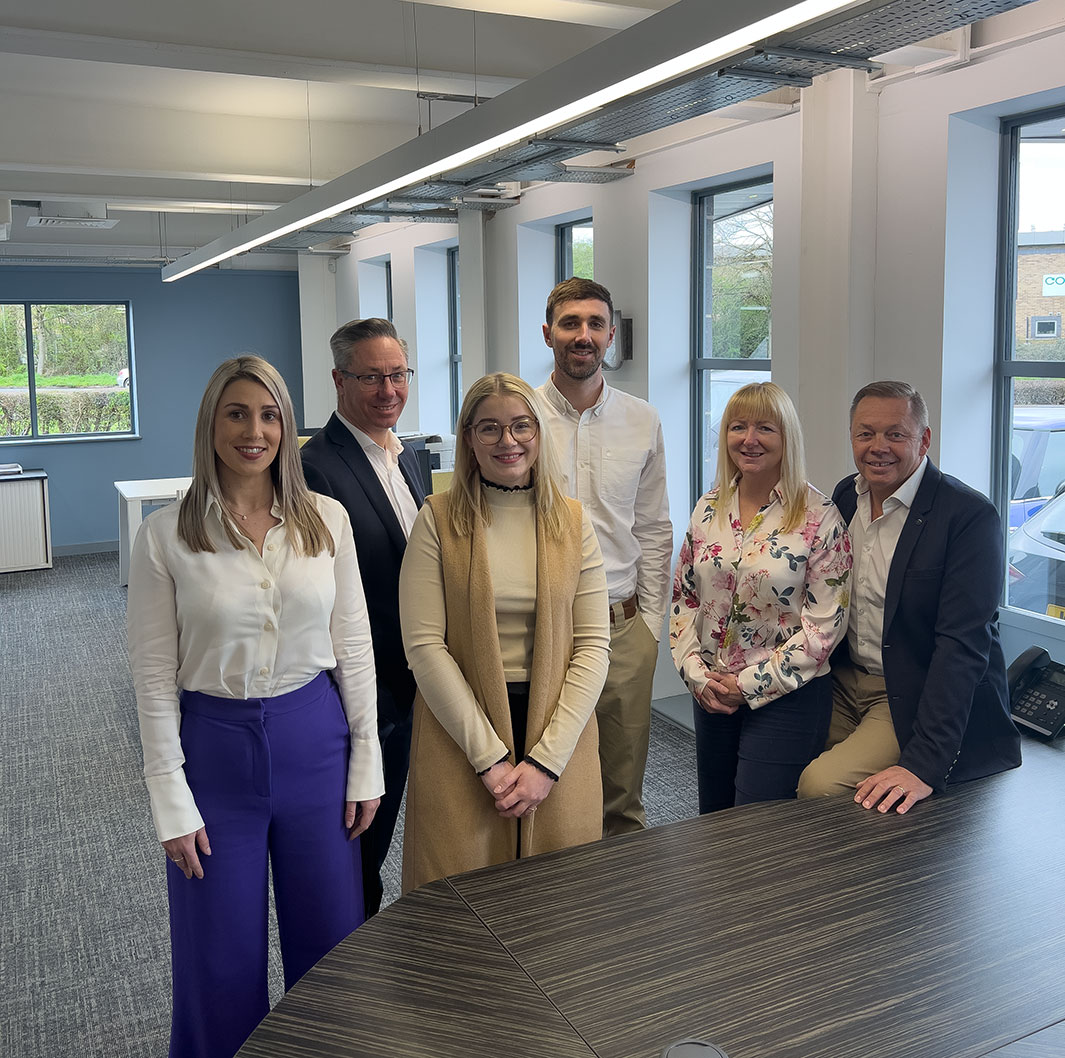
(132, 496)
(789, 930)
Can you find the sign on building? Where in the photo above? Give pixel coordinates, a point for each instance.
(1054, 286)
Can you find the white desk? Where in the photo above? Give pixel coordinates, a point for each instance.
(132, 496)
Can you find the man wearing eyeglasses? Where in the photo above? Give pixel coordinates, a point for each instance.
(359, 460)
(614, 462)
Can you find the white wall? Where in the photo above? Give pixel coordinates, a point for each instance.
(884, 227)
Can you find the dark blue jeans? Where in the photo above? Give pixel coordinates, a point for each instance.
(759, 754)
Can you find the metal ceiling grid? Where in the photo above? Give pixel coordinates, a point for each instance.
(836, 42)
(903, 22)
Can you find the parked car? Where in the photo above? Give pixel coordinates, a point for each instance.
(1036, 572)
(123, 378)
(1037, 459)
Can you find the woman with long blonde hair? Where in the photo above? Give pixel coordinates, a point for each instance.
(760, 599)
(250, 649)
(503, 607)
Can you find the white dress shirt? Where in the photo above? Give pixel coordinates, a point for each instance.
(614, 461)
(385, 463)
(873, 542)
(237, 624)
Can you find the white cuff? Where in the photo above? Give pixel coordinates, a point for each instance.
(366, 777)
(174, 809)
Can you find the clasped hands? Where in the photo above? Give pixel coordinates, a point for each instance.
(517, 789)
(721, 694)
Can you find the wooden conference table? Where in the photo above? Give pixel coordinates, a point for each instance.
(785, 930)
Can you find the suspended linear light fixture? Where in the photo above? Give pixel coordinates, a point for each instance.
(576, 87)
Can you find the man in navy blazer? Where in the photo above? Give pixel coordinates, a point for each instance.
(359, 461)
(919, 683)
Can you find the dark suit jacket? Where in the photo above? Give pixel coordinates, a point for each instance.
(335, 464)
(943, 664)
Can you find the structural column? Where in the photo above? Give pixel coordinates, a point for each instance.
(837, 263)
(473, 294)
(318, 320)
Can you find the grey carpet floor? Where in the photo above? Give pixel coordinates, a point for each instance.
(84, 952)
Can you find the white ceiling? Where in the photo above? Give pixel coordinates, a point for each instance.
(185, 119)
(196, 104)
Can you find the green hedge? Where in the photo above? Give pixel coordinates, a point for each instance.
(65, 413)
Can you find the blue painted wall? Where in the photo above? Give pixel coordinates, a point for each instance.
(181, 332)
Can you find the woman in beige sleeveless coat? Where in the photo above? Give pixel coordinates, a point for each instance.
(503, 607)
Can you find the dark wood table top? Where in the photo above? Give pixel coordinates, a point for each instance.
(788, 930)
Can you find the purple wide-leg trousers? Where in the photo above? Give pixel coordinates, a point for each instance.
(269, 776)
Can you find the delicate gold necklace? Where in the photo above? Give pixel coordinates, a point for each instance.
(245, 517)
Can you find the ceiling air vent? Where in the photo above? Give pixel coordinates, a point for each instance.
(69, 222)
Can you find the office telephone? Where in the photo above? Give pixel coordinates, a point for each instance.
(1037, 692)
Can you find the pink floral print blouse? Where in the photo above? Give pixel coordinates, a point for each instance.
(764, 604)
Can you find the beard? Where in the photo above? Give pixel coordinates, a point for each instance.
(579, 370)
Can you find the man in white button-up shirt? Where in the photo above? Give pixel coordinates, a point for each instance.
(919, 686)
(614, 462)
(358, 459)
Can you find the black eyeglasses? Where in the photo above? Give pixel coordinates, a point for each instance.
(490, 432)
(399, 379)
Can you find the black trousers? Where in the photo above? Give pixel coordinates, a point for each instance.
(758, 754)
(394, 713)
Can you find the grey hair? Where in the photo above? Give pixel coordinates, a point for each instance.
(347, 337)
(895, 391)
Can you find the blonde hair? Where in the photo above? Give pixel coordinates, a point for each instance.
(465, 499)
(762, 402)
(307, 531)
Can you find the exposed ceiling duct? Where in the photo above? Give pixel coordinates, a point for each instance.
(847, 39)
(73, 217)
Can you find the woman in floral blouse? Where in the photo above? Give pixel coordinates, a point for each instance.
(760, 598)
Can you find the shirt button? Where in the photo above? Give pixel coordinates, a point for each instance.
(271, 547)
(267, 627)
(265, 584)
(264, 672)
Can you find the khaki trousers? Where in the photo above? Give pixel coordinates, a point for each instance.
(861, 737)
(624, 717)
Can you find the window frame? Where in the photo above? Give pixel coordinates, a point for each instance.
(700, 364)
(37, 438)
(1006, 367)
(454, 343)
(564, 246)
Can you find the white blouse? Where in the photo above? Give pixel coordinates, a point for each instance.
(237, 624)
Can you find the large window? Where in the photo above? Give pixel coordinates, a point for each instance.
(733, 283)
(454, 332)
(64, 370)
(574, 253)
(1031, 367)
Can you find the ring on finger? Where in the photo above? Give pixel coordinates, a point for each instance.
(901, 789)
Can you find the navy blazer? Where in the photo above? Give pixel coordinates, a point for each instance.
(335, 465)
(943, 663)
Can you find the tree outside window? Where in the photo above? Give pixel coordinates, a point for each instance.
(64, 370)
(733, 288)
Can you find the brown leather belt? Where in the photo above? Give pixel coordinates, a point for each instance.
(625, 610)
